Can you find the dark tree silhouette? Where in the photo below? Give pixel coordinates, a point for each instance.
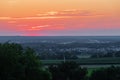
(19, 64)
(111, 73)
(68, 71)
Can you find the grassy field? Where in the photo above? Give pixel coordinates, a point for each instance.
(90, 70)
(88, 61)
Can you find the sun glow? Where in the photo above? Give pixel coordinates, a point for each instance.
(59, 17)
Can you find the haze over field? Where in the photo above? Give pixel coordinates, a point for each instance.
(59, 17)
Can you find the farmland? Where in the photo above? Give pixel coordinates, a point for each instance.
(89, 63)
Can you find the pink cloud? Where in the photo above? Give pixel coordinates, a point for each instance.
(55, 15)
(72, 12)
(34, 28)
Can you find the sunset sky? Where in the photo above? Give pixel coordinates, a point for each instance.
(59, 17)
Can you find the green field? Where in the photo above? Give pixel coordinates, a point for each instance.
(90, 70)
(88, 61)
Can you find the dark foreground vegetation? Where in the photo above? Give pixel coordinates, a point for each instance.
(17, 63)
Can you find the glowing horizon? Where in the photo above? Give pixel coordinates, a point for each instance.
(59, 18)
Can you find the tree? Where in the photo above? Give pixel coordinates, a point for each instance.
(19, 64)
(111, 73)
(68, 71)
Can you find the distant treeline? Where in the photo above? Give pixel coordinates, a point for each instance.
(109, 54)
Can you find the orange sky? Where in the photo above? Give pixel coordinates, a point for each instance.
(59, 17)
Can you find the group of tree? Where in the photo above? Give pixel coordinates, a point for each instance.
(17, 63)
(68, 71)
(108, 54)
(110, 73)
(72, 71)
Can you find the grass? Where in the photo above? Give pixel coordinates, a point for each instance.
(90, 70)
(86, 61)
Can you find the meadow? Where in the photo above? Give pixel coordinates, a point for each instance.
(87, 61)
